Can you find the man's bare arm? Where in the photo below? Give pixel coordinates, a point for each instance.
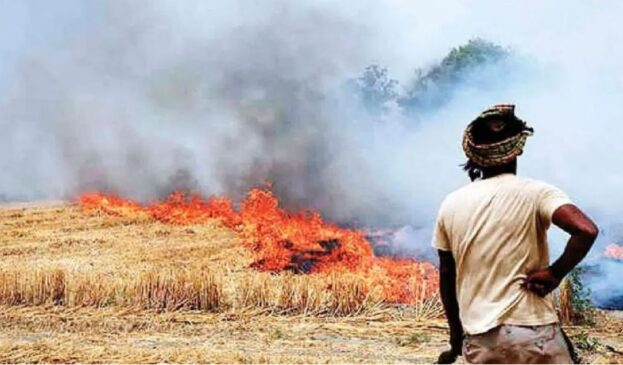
(583, 234)
(447, 289)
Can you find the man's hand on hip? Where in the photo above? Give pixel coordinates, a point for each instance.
(541, 282)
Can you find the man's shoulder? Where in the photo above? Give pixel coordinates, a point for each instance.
(457, 195)
(518, 184)
(531, 185)
(467, 190)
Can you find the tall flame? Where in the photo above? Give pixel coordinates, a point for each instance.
(282, 241)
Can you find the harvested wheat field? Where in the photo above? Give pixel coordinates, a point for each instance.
(105, 281)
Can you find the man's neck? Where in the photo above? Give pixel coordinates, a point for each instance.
(494, 171)
(494, 175)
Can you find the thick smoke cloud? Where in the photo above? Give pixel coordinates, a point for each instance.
(142, 98)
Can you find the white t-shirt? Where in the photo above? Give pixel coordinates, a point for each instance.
(496, 229)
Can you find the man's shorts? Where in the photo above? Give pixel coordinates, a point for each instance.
(512, 344)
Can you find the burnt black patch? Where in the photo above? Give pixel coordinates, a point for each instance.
(329, 245)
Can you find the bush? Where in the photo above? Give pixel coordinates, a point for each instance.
(574, 301)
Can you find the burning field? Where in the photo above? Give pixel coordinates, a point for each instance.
(280, 242)
(355, 112)
(188, 279)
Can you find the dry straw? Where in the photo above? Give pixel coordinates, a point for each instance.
(202, 289)
(32, 288)
(565, 305)
(177, 290)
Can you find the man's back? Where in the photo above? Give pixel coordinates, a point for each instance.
(494, 278)
(496, 231)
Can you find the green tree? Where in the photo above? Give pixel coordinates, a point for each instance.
(376, 88)
(435, 86)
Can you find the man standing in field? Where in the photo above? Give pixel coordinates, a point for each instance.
(491, 235)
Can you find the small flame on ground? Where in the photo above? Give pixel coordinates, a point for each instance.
(614, 251)
(282, 241)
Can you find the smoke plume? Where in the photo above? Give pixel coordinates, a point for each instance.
(215, 97)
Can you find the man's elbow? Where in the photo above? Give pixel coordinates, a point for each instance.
(573, 221)
(589, 230)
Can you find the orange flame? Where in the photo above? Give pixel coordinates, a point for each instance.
(282, 241)
(614, 251)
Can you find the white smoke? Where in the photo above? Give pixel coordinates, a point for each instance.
(140, 98)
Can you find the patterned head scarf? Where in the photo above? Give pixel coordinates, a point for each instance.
(499, 152)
